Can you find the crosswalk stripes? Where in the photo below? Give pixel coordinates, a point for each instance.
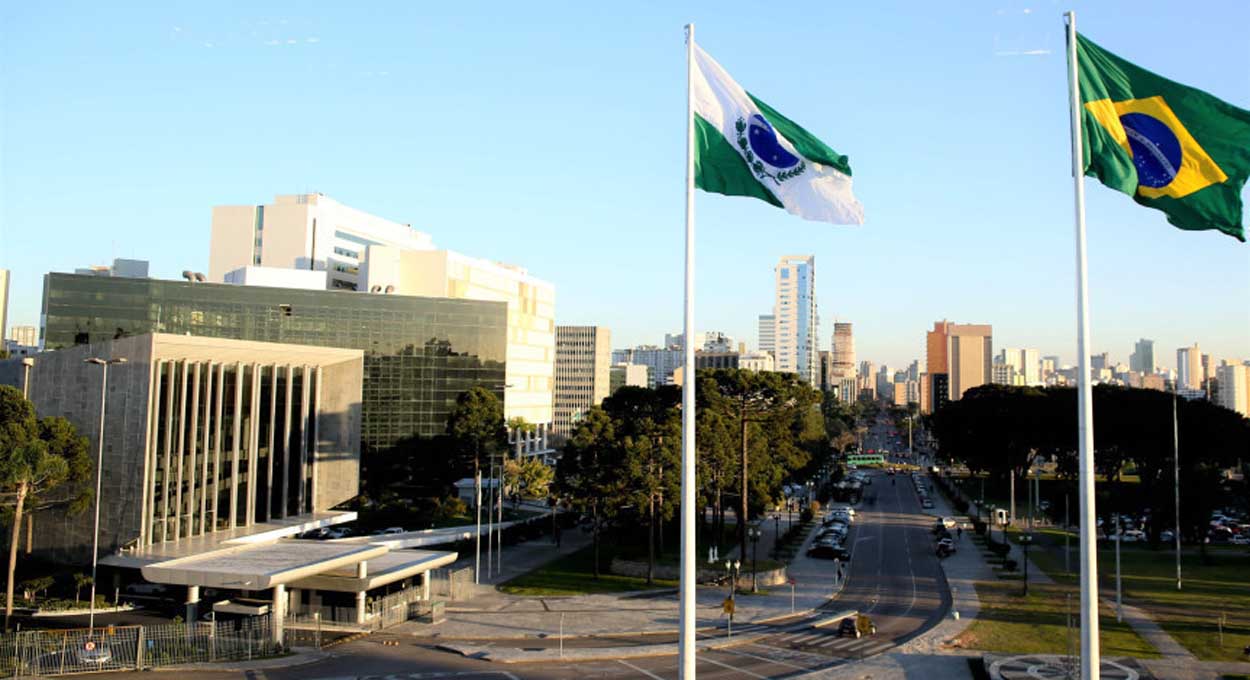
(868, 651)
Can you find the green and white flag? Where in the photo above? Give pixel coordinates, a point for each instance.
(743, 147)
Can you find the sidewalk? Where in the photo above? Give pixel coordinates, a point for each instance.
(494, 615)
(962, 570)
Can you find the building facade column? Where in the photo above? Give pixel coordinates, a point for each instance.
(277, 614)
(168, 448)
(208, 428)
(425, 586)
(360, 607)
(235, 445)
(179, 465)
(286, 442)
(192, 444)
(193, 605)
(273, 412)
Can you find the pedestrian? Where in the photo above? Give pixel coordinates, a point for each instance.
(960, 531)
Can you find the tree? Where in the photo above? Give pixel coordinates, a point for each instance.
(33, 587)
(81, 581)
(31, 466)
(588, 472)
(527, 476)
(647, 424)
(778, 407)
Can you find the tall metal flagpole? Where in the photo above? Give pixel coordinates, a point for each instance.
(686, 662)
(1176, 486)
(1090, 657)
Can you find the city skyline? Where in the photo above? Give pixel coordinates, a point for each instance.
(921, 244)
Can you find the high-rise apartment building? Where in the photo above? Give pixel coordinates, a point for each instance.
(768, 333)
(1189, 368)
(583, 375)
(843, 350)
(1142, 360)
(958, 357)
(660, 361)
(1234, 392)
(1026, 363)
(796, 322)
(1099, 362)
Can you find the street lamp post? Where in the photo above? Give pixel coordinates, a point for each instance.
(753, 532)
(99, 474)
(27, 363)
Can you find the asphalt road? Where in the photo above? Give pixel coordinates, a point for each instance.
(894, 578)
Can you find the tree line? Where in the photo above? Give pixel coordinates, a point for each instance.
(1003, 430)
(756, 431)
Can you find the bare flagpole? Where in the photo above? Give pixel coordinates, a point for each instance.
(686, 652)
(1176, 485)
(1090, 657)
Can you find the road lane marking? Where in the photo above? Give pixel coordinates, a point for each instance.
(789, 654)
(644, 671)
(881, 646)
(740, 670)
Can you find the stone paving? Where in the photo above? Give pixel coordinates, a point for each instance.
(494, 615)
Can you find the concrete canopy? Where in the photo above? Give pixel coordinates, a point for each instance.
(389, 568)
(260, 566)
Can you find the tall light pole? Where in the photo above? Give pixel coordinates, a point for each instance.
(99, 474)
(753, 532)
(27, 363)
(1176, 487)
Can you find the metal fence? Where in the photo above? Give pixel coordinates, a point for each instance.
(451, 584)
(127, 648)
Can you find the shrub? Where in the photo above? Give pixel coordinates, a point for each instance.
(1009, 565)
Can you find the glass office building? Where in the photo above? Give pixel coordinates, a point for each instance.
(419, 353)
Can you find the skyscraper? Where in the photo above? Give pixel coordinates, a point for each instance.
(1189, 368)
(582, 375)
(843, 350)
(768, 334)
(794, 309)
(1234, 381)
(1142, 360)
(958, 357)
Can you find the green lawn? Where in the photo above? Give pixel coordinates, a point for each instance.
(1037, 624)
(1192, 615)
(573, 575)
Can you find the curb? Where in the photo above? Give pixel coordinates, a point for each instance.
(578, 655)
(291, 661)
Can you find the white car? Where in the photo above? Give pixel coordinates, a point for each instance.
(949, 522)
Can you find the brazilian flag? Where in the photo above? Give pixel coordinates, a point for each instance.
(1170, 147)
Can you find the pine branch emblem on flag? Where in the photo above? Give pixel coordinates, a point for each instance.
(1169, 146)
(744, 147)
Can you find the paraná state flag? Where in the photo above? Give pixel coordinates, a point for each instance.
(1171, 147)
(743, 147)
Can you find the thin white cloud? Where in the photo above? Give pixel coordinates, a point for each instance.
(1027, 10)
(291, 41)
(312, 40)
(177, 29)
(208, 44)
(273, 42)
(1035, 53)
(1021, 53)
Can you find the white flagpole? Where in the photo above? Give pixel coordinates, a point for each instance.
(686, 663)
(1090, 657)
(1176, 485)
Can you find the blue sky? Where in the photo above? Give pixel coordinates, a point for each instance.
(552, 136)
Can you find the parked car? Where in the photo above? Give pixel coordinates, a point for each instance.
(926, 503)
(389, 531)
(829, 551)
(94, 653)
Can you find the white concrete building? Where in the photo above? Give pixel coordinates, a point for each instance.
(1234, 387)
(4, 300)
(354, 250)
(1189, 367)
(24, 335)
(303, 231)
(795, 317)
(756, 361)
